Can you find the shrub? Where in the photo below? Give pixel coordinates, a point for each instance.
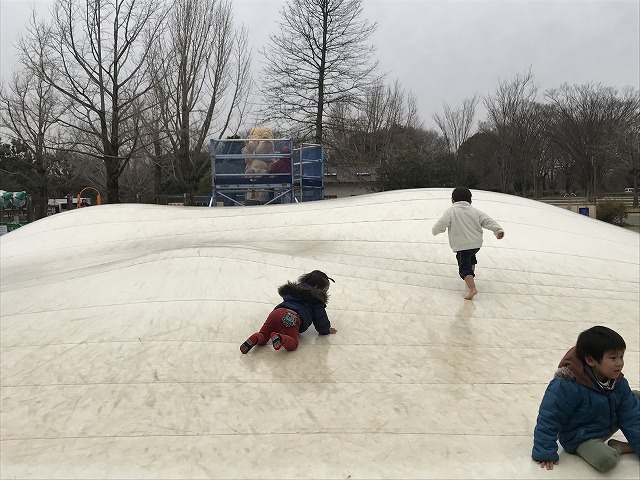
(612, 211)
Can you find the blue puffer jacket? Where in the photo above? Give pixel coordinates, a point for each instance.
(308, 302)
(575, 409)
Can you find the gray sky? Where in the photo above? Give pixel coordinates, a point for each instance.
(447, 50)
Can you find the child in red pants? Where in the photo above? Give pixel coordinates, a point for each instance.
(303, 303)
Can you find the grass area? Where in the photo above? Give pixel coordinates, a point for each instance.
(634, 211)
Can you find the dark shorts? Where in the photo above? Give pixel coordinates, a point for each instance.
(466, 261)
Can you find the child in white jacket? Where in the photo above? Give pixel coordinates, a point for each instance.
(465, 225)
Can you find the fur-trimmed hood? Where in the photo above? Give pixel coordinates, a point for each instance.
(304, 291)
(571, 367)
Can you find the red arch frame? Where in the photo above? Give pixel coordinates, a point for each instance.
(98, 198)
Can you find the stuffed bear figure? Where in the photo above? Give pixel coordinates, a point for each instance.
(260, 142)
(257, 166)
(256, 197)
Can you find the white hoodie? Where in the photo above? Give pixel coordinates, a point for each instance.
(465, 225)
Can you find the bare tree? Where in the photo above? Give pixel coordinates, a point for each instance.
(416, 159)
(30, 111)
(455, 124)
(629, 152)
(513, 116)
(318, 58)
(94, 56)
(201, 79)
(386, 106)
(364, 135)
(549, 165)
(136, 181)
(588, 122)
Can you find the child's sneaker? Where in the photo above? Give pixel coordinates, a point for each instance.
(276, 340)
(246, 346)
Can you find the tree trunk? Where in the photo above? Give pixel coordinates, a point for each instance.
(113, 193)
(41, 202)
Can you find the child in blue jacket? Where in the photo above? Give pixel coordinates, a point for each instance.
(587, 401)
(303, 303)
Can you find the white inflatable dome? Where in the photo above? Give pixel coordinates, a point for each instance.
(121, 326)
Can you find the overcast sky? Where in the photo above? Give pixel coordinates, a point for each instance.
(447, 50)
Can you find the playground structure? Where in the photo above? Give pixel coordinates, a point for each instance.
(59, 205)
(13, 210)
(14, 199)
(84, 202)
(232, 184)
(17, 208)
(14, 203)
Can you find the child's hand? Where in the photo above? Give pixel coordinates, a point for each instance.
(500, 235)
(548, 464)
(332, 330)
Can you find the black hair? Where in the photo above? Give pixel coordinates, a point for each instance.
(595, 341)
(461, 194)
(316, 279)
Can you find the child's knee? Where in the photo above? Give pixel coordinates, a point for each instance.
(607, 460)
(599, 454)
(289, 343)
(465, 271)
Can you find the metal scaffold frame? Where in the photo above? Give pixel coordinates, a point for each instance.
(235, 183)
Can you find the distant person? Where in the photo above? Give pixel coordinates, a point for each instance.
(229, 147)
(225, 167)
(283, 164)
(465, 225)
(587, 401)
(303, 303)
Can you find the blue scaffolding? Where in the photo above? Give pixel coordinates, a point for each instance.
(232, 184)
(309, 172)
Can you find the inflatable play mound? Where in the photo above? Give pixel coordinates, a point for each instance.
(121, 326)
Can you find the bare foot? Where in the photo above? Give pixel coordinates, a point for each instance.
(472, 293)
(622, 447)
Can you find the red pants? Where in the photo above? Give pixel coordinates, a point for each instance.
(274, 323)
